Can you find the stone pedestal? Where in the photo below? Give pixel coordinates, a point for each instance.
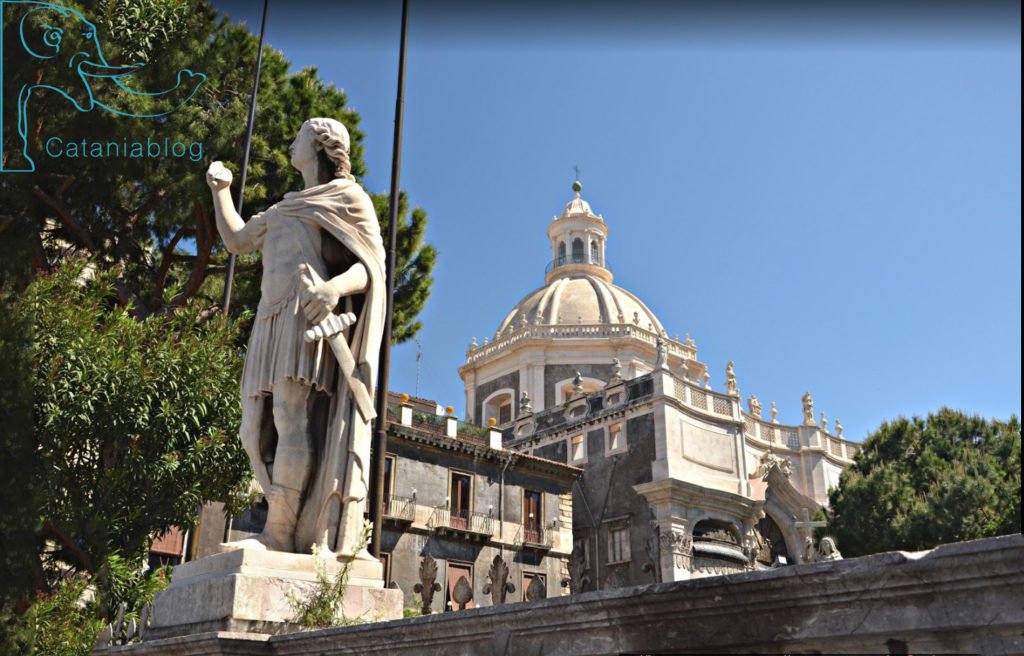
(248, 591)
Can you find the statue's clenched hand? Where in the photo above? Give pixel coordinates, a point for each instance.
(218, 176)
(318, 298)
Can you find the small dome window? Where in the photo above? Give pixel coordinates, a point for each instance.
(577, 251)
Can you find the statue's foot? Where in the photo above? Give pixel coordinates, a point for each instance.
(261, 542)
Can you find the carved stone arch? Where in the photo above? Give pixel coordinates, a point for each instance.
(794, 545)
(713, 525)
(563, 388)
(493, 404)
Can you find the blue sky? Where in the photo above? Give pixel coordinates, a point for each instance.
(829, 196)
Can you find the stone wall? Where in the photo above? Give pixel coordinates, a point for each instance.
(966, 597)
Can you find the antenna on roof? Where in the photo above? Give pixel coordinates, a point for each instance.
(419, 364)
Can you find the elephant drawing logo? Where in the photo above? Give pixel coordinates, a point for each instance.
(48, 46)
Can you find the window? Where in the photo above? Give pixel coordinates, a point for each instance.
(595, 254)
(577, 448)
(498, 406)
(532, 516)
(459, 499)
(389, 468)
(618, 542)
(561, 253)
(539, 590)
(577, 250)
(616, 438)
(458, 571)
(564, 388)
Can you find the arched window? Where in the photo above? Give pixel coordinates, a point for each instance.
(577, 251)
(499, 406)
(595, 254)
(561, 253)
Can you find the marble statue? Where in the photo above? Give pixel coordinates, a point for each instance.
(310, 369)
(827, 550)
(808, 404)
(661, 349)
(730, 379)
(755, 406)
(775, 413)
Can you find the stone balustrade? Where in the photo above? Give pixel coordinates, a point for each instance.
(513, 336)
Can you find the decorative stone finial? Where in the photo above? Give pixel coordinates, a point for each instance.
(577, 187)
(839, 428)
(525, 407)
(730, 379)
(473, 343)
(754, 405)
(808, 403)
(824, 423)
(775, 413)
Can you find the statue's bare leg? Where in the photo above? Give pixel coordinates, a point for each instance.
(250, 433)
(292, 464)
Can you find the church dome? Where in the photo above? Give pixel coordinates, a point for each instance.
(581, 299)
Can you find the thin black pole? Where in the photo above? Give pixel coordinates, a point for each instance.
(381, 442)
(229, 276)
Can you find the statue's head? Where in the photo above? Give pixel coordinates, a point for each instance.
(325, 141)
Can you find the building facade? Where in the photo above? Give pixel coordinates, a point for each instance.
(679, 479)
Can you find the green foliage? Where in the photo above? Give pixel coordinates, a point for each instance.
(150, 220)
(131, 429)
(414, 263)
(917, 483)
(323, 605)
(61, 623)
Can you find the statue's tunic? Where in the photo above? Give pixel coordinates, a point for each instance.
(277, 349)
(295, 231)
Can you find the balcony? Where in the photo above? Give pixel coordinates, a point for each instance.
(534, 537)
(569, 260)
(401, 510)
(462, 523)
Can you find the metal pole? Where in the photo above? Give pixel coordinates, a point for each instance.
(381, 433)
(229, 275)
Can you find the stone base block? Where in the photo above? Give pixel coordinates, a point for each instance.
(248, 590)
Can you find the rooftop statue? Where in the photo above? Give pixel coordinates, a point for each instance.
(310, 369)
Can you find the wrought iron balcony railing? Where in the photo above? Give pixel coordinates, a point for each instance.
(461, 521)
(534, 537)
(399, 508)
(574, 259)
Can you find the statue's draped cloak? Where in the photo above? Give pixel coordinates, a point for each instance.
(332, 511)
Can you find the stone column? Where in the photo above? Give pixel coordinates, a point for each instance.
(675, 545)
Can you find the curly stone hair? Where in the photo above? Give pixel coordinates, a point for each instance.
(332, 148)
